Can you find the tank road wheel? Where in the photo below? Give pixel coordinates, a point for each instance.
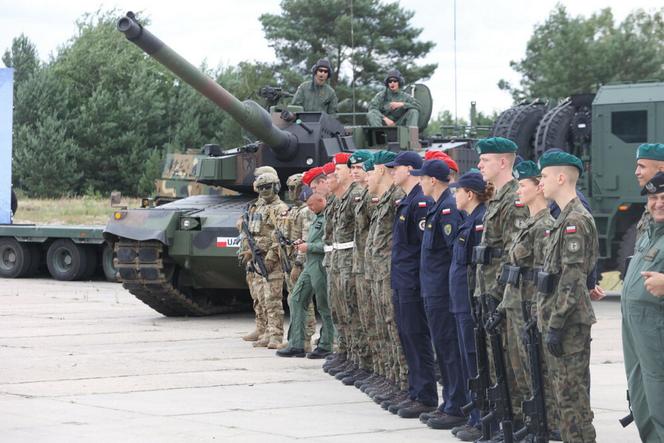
(107, 265)
(554, 130)
(66, 260)
(16, 258)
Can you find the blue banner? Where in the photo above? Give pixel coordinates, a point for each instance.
(6, 109)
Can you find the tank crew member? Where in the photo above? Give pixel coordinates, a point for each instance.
(643, 322)
(505, 217)
(378, 256)
(316, 95)
(525, 259)
(295, 226)
(392, 106)
(565, 313)
(269, 288)
(405, 280)
(472, 192)
(365, 307)
(252, 277)
(313, 280)
(441, 224)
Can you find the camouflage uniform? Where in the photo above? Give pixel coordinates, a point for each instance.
(313, 97)
(378, 257)
(527, 252)
(251, 278)
(379, 107)
(343, 297)
(365, 305)
(505, 217)
(570, 254)
(263, 218)
(327, 264)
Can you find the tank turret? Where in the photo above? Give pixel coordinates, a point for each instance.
(289, 146)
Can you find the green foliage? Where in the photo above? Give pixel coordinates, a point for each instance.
(151, 172)
(382, 38)
(567, 55)
(23, 58)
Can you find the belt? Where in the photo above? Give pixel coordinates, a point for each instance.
(328, 248)
(530, 274)
(347, 245)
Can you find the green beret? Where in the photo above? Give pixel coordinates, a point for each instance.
(526, 169)
(359, 157)
(382, 157)
(560, 158)
(495, 145)
(368, 165)
(650, 151)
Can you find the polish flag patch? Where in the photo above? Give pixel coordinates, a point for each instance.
(570, 230)
(446, 211)
(547, 233)
(397, 202)
(422, 204)
(374, 199)
(479, 228)
(228, 242)
(518, 204)
(357, 199)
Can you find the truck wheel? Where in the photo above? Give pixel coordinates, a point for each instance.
(66, 260)
(107, 263)
(554, 129)
(15, 258)
(519, 124)
(626, 249)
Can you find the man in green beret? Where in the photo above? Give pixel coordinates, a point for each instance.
(505, 217)
(649, 161)
(565, 312)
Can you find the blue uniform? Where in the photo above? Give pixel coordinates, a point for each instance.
(442, 222)
(468, 236)
(408, 307)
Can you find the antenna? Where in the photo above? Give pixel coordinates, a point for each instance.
(352, 54)
(456, 115)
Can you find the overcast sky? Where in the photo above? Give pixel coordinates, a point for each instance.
(489, 35)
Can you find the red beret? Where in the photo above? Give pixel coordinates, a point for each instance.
(341, 158)
(328, 168)
(311, 174)
(440, 155)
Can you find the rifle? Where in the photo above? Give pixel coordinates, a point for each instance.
(256, 253)
(535, 407)
(479, 384)
(498, 394)
(283, 243)
(628, 419)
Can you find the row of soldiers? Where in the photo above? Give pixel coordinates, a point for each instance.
(416, 271)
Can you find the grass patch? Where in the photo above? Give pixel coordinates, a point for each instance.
(67, 211)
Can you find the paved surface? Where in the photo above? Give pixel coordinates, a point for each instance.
(88, 362)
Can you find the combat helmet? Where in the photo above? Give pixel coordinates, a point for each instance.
(265, 170)
(267, 179)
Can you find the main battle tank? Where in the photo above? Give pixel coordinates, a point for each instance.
(180, 258)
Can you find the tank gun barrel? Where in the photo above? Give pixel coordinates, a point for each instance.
(249, 114)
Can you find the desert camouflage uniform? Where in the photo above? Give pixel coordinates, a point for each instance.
(343, 297)
(378, 256)
(570, 254)
(527, 252)
(263, 218)
(365, 306)
(252, 276)
(505, 217)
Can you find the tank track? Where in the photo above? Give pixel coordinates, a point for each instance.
(142, 272)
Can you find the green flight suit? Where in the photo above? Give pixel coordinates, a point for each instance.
(643, 336)
(407, 115)
(312, 280)
(314, 98)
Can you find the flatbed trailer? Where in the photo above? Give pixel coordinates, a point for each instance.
(68, 252)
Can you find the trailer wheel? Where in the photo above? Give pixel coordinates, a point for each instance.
(107, 263)
(66, 260)
(15, 258)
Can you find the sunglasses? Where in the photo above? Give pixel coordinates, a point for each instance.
(264, 187)
(392, 80)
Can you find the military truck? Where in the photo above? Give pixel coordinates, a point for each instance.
(604, 130)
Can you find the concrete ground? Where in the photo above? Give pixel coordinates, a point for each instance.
(88, 362)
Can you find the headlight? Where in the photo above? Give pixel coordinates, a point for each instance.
(189, 223)
(119, 215)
